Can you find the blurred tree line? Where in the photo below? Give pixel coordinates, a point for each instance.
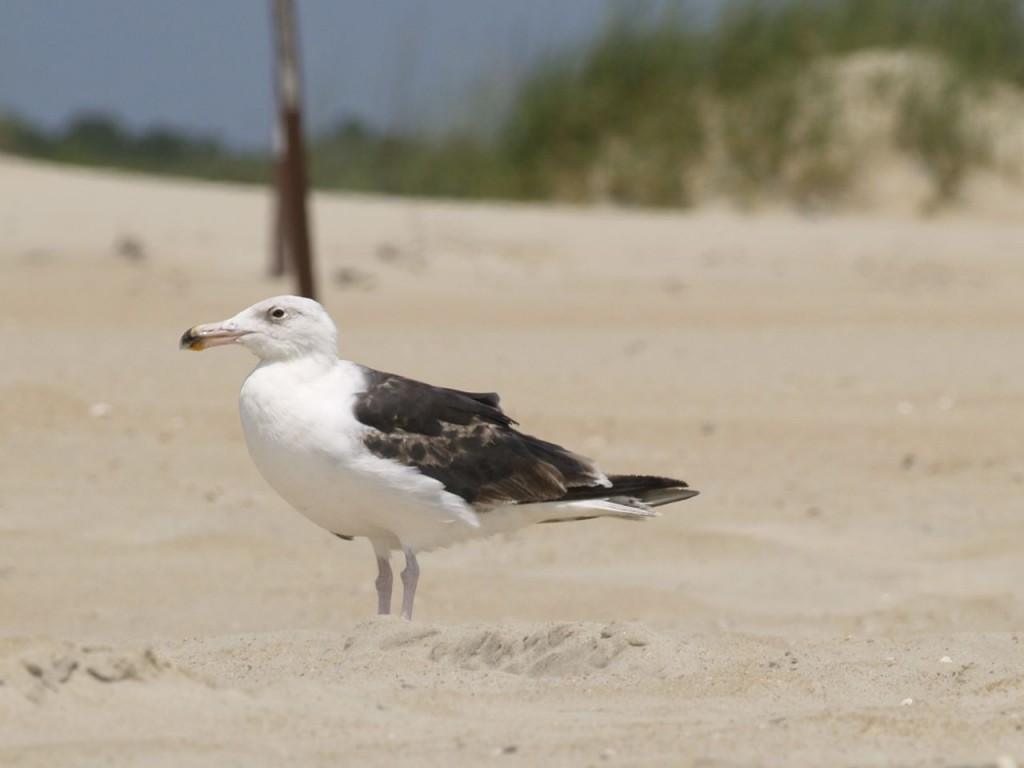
(629, 115)
(100, 139)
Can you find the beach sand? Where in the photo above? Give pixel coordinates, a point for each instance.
(846, 392)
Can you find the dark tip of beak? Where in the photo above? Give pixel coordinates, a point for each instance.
(188, 338)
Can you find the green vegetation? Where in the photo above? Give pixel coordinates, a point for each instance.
(354, 157)
(97, 139)
(619, 119)
(656, 111)
(933, 126)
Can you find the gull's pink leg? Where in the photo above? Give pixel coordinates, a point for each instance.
(384, 577)
(410, 576)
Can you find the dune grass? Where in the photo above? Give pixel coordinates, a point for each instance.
(627, 115)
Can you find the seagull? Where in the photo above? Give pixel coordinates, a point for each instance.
(440, 465)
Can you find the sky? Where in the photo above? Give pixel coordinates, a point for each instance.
(205, 65)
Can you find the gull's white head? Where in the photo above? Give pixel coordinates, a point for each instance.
(281, 328)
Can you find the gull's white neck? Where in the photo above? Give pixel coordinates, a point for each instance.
(323, 359)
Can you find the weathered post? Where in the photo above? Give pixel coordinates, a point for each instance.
(293, 221)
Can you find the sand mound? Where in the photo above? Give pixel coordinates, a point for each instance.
(538, 650)
(381, 647)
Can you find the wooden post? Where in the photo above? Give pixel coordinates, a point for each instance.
(292, 182)
(279, 256)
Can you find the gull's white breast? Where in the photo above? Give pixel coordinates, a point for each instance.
(303, 437)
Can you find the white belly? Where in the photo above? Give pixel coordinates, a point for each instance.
(304, 440)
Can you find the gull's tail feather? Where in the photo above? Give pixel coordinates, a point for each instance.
(647, 489)
(629, 497)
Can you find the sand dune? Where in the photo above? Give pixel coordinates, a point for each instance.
(844, 391)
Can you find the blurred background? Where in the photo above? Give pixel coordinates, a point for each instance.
(815, 103)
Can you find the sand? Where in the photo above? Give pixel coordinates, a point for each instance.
(845, 391)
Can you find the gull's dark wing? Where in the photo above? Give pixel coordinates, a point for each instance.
(465, 441)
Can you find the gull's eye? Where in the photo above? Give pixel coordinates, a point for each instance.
(277, 313)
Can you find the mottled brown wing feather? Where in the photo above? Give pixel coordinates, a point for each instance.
(465, 441)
